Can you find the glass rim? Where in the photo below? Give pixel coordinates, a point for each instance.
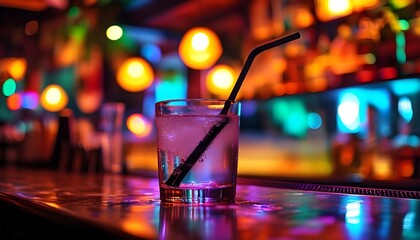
(222, 101)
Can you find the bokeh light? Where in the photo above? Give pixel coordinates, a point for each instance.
(151, 52)
(314, 120)
(291, 115)
(220, 80)
(114, 32)
(14, 102)
(9, 87)
(327, 10)
(400, 3)
(172, 85)
(349, 112)
(17, 68)
(339, 7)
(405, 108)
(404, 24)
(365, 4)
(30, 100)
(73, 12)
(200, 48)
(139, 125)
(31, 28)
(302, 17)
(135, 74)
(54, 98)
(89, 101)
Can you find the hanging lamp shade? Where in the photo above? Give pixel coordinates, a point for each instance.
(200, 48)
(220, 80)
(54, 98)
(135, 75)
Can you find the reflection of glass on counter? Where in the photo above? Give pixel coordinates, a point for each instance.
(199, 222)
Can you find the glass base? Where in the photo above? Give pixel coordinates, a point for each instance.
(197, 195)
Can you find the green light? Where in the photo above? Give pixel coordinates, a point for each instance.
(9, 87)
(400, 52)
(79, 31)
(280, 110)
(73, 12)
(404, 25)
(400, 39)
(291, 115)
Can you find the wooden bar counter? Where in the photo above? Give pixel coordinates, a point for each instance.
(44, 204)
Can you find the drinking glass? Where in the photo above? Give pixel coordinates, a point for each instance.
(184, 126)
(111, 120)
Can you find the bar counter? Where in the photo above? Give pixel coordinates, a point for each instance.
(42, 204)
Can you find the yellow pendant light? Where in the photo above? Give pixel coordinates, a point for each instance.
(135, 75)
(200, 48)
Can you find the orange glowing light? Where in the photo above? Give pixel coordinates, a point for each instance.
(292, 87)
(200, 48)
(220, 80)
(302, 17)
(89, 101)
(261, 25)
(327, 10)
(14, 102)
(139, 125)
(279, 89)
(31, 28)
(68, 52)
(294, 49)
(135, 75)
(364, 5)
(54, 98)
(17, 68)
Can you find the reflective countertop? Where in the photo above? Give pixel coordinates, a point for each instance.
(128, 207)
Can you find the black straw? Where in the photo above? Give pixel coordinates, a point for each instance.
(183, 168)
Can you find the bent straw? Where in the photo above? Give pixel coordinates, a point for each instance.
(183, 168)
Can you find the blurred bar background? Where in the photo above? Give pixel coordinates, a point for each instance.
(342, 102)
